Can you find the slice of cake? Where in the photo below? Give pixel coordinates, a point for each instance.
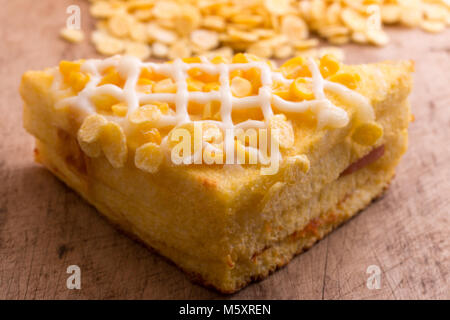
(227, 168)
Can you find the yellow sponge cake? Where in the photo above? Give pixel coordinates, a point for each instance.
(227, 168)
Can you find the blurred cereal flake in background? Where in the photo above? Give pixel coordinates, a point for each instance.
(267, 28)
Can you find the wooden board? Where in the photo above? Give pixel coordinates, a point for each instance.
(45, 227)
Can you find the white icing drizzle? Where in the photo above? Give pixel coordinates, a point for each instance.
(129, 68)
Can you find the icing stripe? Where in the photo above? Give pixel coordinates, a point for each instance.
(129, 68)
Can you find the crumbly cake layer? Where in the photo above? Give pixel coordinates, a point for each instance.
(283, 226)
(359, 190)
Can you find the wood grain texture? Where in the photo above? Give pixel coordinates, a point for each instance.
(45, 227)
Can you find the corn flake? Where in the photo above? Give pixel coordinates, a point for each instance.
(149, 157)
(266, 28)
(72, 35)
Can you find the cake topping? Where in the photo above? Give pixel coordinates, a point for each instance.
(124, 97)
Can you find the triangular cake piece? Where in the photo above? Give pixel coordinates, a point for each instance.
(227, 168)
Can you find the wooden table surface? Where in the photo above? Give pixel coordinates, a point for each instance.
(45, 227)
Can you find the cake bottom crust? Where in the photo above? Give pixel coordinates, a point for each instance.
(257, 267)
(301, 240)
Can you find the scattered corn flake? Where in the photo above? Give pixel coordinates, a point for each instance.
(89, 135)
(160, 50)
(102, 9)
(78, 81)
(278, 7)
(306, 44)
(107, 45)
(120, 109)
(368, 133)
(138, 32)
(294, 28)
(350, 80)
(240, 87)
(147, 113)
(334, 31)
(377, 37)
(216, 23)
(180, 49)
(295, 67)
(166, 9)
(333, 14)
(211, 133)
(264, 33)
(223, 53)
(165, 86)
(261, 49)
(176, 29)
(359, 37)
(329, 65)
(138, 49)
(247, 20)
(157, 33)
(411, 16)
(240, 35)
(112, 76)
(103, 102)
(390, 13)
(205, 39)
(187, 20)
(283, 52)
(432, 26)
(114, 144)
(143, 14)
(435, 12)
(301, 90)
(339, 40)
(119, 25)
(72, 35)
(301, 161)
(149, 157)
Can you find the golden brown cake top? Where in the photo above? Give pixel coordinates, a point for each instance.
(232, 107)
